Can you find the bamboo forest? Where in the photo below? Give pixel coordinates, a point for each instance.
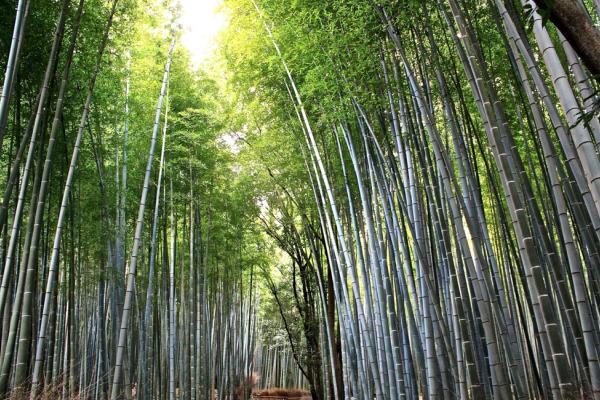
(299, 199)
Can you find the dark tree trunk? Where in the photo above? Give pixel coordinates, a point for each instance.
(337, 361)
(576, 25)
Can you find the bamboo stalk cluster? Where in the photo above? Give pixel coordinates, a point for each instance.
(464, 263)
(74, 321)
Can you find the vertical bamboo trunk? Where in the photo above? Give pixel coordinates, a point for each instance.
(12, 65)
(127, 304)
(51, 280)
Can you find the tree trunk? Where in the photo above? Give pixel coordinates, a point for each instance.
(575, 24)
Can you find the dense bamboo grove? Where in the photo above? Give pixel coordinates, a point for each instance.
(365, 199)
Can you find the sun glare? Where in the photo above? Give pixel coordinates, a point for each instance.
(202, 21)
